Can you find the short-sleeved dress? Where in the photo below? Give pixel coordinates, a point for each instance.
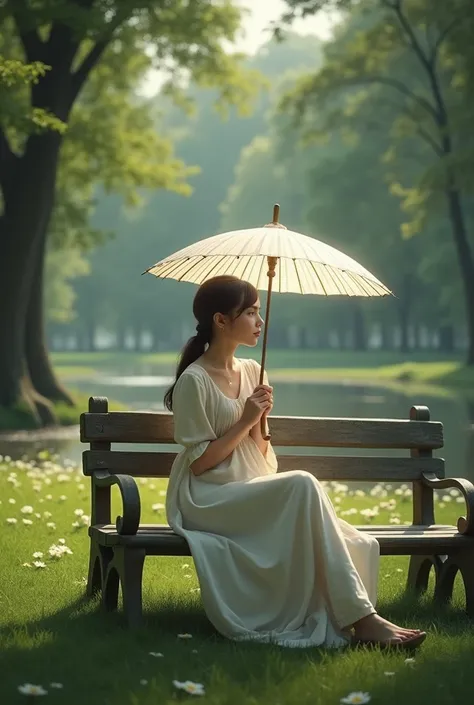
(274, 562)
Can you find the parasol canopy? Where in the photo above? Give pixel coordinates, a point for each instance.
(275, 259)
(305, 265)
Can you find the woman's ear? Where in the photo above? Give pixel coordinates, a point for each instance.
(220, 320)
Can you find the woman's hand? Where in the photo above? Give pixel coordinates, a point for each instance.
(258, 403)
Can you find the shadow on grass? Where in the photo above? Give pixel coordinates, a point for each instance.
(100, 661)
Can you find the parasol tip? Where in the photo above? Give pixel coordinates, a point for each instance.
(276, 213)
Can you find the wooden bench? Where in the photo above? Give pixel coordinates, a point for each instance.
(118, 551)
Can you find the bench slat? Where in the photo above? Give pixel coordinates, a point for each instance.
(406, 540)
(153, 464)
(157, 427)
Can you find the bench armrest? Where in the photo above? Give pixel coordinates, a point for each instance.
(128, 523)
(465, 524)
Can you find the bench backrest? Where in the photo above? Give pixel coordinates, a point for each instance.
(418, 434)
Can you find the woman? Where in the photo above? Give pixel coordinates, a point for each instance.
(274, 562)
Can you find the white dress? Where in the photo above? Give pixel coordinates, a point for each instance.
(274, 562)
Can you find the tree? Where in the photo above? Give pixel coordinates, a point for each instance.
(429, 105)
(71, 38)
(167, 221)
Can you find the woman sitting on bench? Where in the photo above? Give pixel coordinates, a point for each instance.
(274, 562)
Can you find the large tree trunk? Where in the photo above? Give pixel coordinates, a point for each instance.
(39, 365)
(16, 389)
(28, 199)
(466, 263)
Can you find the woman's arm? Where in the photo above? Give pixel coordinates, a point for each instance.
(220, 449)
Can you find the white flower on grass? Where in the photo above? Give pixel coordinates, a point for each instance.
(156, 654)
(29, 689)
(26, 565)
(162, 493)
(394, 520)
(51, 525)
(39, 564)
(63, 498)
(27, 509)
(185, 636)
(357, 698)
(62, 477)
(84, 519)
(56, 685)
(194, 651)
(27, 522)
(76, 525)
(185, 565)
(190, 687)
(47, 515)
(410, 662)
(12, 501)
(157, 507)
(58, 551)
(195, 589)
(62, 541)
(11, 520)
(389, 673)
(143, 681)
(49, 496)
(369, 514)
(187, 575)
(38, 554)
(78, 512)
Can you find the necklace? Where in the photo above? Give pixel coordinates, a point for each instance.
(223, 372)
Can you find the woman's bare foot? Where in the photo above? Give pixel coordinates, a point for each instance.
(376, 629)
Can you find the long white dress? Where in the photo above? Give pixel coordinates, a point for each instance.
(274, 562)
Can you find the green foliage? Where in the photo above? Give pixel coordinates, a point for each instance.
(61, 267)
(15, 76)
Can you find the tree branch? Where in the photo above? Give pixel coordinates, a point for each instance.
(424, 134)
(430, 141)
(396, 6)
(29, 37)
(92, 58)
(442, 37)
(401, 88)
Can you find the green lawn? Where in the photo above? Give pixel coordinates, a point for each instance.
(51, 633)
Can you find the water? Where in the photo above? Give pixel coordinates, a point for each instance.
(144, 389)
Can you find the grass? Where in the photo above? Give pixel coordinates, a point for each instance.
(51, 633)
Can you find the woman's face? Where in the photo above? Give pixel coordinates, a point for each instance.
(246, 328)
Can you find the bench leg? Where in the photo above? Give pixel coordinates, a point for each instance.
(464, 563)
(111, 587)
(99, 559)
(129, 565)
(419, 572)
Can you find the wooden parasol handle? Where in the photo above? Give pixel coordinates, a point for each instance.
(271, 273)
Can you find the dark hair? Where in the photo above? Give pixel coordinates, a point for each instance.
(224, 294)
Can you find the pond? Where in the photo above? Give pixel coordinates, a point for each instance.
(144, 388)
